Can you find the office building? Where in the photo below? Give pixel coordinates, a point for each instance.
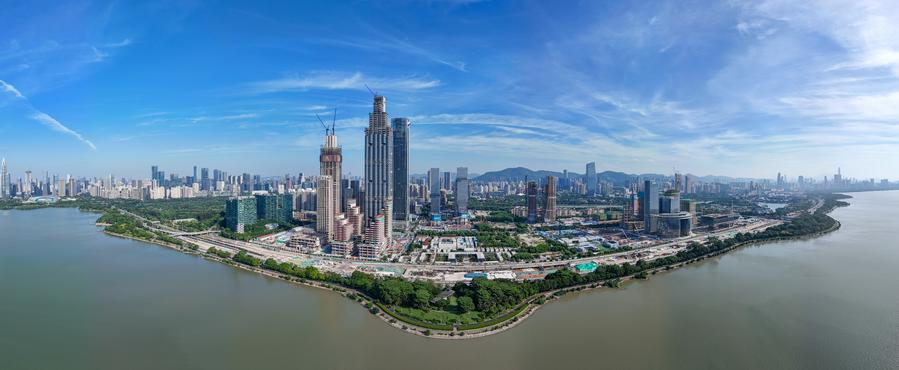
(549, 203)
(154, 174)
(205, 181)
(446, 181)
(401, 168)
(689, 206)
(434, 176)
(650, 205)
(590, 178)
(532, 201)
(274, 208)
(240, 211)
(463, 191)
(378, 163)
(673, 225)
(670, 202)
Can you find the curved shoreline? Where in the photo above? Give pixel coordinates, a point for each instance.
(397, 321)
(531, 304)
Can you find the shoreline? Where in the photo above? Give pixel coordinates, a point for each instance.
(396, 321)
(510, 318)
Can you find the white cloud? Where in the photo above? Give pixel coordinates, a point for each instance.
(232, 117)
(125, 42)
(59, 127)
(11, 89)
(340, 81)
(42, 117)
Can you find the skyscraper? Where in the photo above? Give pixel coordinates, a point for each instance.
(330, 164)
(590, 178)
(650, 205)
(205, 181)
(463, 191)
(378, 163)
(28, 187)
(532, 201)
(154, 172)
(401, 168)
(446, 181)
(435, 193)
(549, 204)
(324, 208)
(4, 180)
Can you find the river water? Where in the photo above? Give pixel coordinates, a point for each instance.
(74, 298)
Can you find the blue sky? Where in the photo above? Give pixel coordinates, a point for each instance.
(739, 88)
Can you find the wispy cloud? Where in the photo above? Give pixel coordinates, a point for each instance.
(340, 81)
(231, 117)
(59, 127)
(11, 89)
(385, 42)
(42, 117)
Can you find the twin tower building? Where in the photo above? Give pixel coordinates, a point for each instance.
(385, 197)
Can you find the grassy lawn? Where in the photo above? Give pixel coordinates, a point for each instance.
(439, 316)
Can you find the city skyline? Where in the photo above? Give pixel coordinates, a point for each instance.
(698, 87)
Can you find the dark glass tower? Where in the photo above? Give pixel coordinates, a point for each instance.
(401, 168)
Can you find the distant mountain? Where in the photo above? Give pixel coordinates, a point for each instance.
(516, 174)
(614, 177)
(522, 173)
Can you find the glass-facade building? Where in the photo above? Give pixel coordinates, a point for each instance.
(240, 211)
(274, 207)
(401, 168)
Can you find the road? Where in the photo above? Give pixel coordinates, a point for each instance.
(206, 241)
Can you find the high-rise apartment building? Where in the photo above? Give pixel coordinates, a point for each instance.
(401, 168)
(549, 203)
(375, 240)
(324, 209)
(378, 163)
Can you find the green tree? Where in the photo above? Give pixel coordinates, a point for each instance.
(465, 304)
